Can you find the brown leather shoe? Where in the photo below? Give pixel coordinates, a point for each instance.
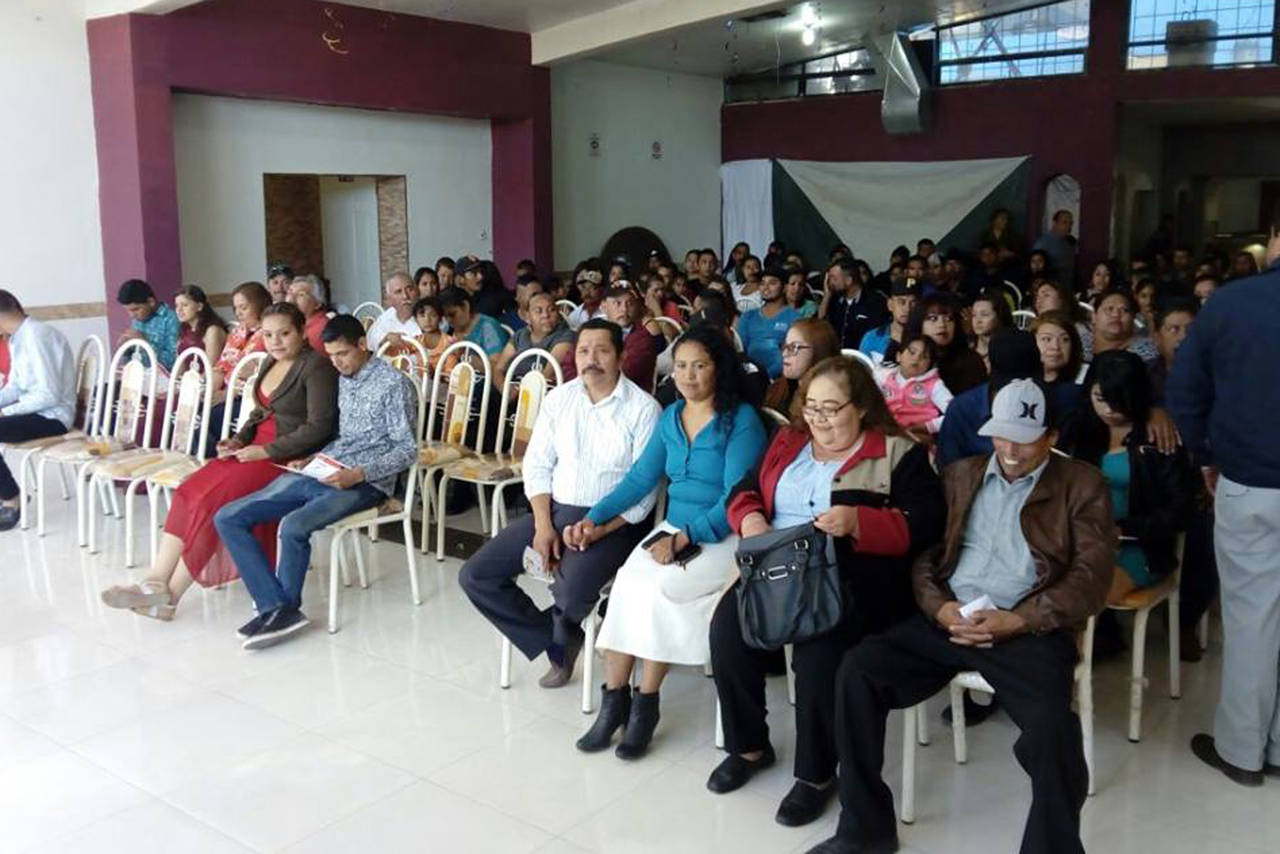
(1203, 747)
(559, 675)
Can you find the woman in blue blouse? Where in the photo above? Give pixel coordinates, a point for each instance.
(660, 608)
(468, 324)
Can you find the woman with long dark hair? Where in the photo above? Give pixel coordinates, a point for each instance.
(664, 594)
(202, 327)
(845, 465)
(938, 316)
(1151, 492)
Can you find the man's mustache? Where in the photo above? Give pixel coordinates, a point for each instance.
(593, 369)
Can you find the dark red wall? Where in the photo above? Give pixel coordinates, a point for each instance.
(274, 49)
(1067, 124)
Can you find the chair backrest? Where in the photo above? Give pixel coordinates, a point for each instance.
(1086, 308)
(1022, 318)
(528, 393)
(408, 356)
(511, 333)
(566, 307)
(1015, 290)
(91, 379)
(775, 416)
(131, 393)
(367, 313)
(186, 406)
(666, 322)
(745, 304)
(242, 385)
(860, 356)
(453, 396)
(737, 339)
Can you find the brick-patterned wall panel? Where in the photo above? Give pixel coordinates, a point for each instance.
(393, 226)
(294, 232)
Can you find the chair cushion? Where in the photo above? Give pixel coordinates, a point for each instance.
(1146, 597)
(136, 463)
(438, 453)
(47, 441)
(484, 468)
(172, 474)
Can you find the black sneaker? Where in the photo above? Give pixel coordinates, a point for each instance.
(250, 628)
(278, 626)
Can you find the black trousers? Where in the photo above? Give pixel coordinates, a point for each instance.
(740, 673)
(1033, 677)
(1199, 569)
(489, 580)
(23, 428)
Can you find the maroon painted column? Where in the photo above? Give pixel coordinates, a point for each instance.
(137, 179)
(522, 182)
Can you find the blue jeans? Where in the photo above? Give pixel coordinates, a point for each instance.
(303, 505)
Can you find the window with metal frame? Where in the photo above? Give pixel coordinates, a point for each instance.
(846, 71)
(1175, 33)
(1037, 41)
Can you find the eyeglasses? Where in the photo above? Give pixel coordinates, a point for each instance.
(824, 413)
(794, 349)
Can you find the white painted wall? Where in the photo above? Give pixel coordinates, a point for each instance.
(50, 240)
(676, 197)
(223, 146)
(349, 228)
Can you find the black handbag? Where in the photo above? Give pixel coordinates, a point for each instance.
(790, 589)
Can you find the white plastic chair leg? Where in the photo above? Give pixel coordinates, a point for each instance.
(788, 653)
(93, 520)
(957, 723)
(1175, 646)
(719, 726)
(911, 714)
(335, 560)
(84, 506)
(1202, 631)
(1086, 726)
(922, 723)
(354, 537)
(504, 662)
(24, 489)
(484, 510)
(153, 518)
(444, 484)
(40, 493)
(588, 663)
(62, 479)
(497, 512)
(425, 487)
(411, 559)
(110, 489)
(130, 493)
(1136, 677)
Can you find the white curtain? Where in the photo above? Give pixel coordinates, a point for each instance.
(746, 205)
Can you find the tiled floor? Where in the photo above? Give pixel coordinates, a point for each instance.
(122, 734)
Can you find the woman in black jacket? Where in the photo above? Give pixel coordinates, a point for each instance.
(845, 466)
(1151, 492)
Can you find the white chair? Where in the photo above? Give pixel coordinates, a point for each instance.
(745, 304)
(737, 340)
(501, 468)
(1142, 602)
(390, 512)
(409, 357)
(670, 327)
(1087, 309)
(1015, 291)
(775, 416)
(241, 385)
(861, 357)
(126, 411)
(459, 413)
(1022, 318)
(91, 373)
(367, 313)
(566, 308)
(185, 424)
(973, 681)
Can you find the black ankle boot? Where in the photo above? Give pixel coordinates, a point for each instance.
(615, 708)
(640, 726)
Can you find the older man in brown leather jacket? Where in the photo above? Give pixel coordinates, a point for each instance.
(1030, 547)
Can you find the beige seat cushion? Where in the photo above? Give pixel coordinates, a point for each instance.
(47, 441)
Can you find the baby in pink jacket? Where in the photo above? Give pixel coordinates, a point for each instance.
(915, 393)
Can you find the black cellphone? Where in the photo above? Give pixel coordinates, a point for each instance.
(657, 535)
(688, 553)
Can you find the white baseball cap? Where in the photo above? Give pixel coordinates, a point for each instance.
(1017, 413)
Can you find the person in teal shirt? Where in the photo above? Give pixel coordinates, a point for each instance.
(468, 324)
(153, 320)
(763, 329)
(663, 596)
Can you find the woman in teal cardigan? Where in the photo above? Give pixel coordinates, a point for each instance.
(661, 604)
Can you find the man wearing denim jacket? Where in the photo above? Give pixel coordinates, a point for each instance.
(376, 441)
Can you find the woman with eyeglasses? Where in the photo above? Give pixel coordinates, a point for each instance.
(808, 342)
(844, 465)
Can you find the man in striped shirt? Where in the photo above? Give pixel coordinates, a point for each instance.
(588, 433)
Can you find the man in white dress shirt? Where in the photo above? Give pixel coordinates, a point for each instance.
(588, 433)
(39, 399)
(397, 320)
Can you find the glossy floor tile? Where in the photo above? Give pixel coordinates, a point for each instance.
(122, 734)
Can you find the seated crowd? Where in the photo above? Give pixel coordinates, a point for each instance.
(981, 487)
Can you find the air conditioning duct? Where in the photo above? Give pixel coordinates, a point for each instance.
(905, 107)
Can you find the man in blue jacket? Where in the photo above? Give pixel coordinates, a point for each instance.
(1224, 396)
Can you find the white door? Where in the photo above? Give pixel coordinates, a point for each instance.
(349, 224)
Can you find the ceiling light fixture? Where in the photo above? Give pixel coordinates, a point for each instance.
(808, 16)
(808, 36)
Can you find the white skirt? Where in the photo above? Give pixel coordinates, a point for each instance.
(663, 613)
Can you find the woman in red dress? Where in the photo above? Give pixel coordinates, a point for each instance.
(296, 414)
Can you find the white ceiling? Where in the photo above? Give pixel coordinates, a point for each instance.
(521, 15)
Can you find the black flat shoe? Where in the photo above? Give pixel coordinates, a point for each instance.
(1207, 752)
(804, 803)
(640, 726)
(974, 712)
(734, 772)
(615, 708)
(836, 845)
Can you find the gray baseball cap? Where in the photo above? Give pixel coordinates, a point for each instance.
(1018, 413)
